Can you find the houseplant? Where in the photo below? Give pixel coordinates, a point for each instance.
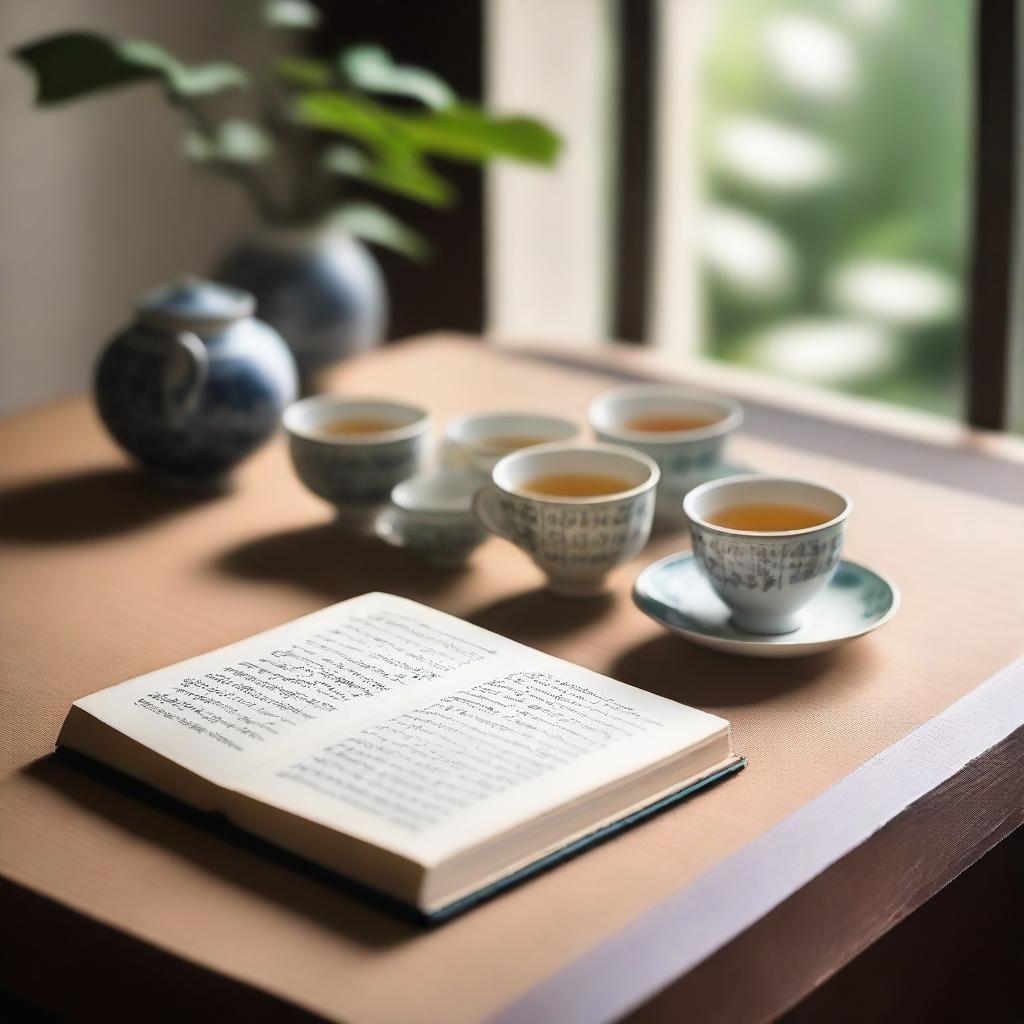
(308, 127)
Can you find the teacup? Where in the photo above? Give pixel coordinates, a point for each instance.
(355, 471)
(575, 541)
(479, 441)
(766, 577)
(686, 457)
(433, 516)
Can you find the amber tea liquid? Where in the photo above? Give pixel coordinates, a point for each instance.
(357, 425)
(576, 485)
(666, 423)
(765, 518)
(506, 443)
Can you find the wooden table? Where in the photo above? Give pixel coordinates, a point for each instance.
(876, 774)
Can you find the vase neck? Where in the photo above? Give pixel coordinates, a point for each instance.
(297, 236)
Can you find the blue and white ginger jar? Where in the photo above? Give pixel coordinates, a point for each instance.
(196, 383)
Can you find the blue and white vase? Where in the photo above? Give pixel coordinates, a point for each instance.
(318, 286)
(196, 383)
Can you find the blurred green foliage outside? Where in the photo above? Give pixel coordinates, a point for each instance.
(836, 146)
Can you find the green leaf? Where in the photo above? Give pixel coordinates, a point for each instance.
(397, 169)
(459, 133)
(73, 64)
(304, 71)
(347, 113)
(291, 14)
(235, 142)
(467, 133)
(371, 69)
(183, 80)
(374, 224)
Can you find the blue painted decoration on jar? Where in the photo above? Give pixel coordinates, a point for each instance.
(320, 287)
(196, 384)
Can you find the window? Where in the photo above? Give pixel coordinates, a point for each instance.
(835, 155)
(832, 202)
(813, 189)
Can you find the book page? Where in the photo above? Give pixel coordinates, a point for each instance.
(481, 755)
(398, 724)
(223, 713)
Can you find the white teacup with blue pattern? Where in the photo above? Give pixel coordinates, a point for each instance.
(355, 472)
(767, 577)
(433, 516)
(478, 442)
(685, 457)
(576, 542)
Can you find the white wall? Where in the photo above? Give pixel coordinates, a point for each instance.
(96, 204)
(675, 295)
(549, 230)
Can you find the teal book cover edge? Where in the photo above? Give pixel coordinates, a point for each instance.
(219, 825)
(577, 847)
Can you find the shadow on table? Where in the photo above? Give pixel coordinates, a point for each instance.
(673, 667)
(329, 561)
(533, 616)
(219, 849)
(86, 506)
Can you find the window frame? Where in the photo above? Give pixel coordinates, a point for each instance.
(991, 320)
(991, 278)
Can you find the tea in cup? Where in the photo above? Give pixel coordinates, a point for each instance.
(477, 442)
(767, 545)
(352, 451)
(682, 430)
(433, 516)
(577, 511)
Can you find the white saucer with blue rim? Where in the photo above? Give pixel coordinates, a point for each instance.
(676, 595)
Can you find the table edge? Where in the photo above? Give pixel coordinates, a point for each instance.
(684, 930)
(966, 465)
(26, 969)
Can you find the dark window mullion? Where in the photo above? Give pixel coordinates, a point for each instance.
(631, 264)
(990, 319)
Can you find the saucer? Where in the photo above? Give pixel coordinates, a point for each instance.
(675, 594)
(444, 545)
(432, 515)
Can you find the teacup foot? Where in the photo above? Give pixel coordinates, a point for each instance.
(575, 589)
(768, 625)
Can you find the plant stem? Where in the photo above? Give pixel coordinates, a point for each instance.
(303, 152)
(245, 176)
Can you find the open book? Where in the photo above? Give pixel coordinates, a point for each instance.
(418, 755)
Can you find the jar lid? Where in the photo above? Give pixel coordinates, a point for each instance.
(191, 304)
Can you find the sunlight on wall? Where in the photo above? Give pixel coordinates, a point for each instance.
(549, 229)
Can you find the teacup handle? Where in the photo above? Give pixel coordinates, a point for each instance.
(487, 509)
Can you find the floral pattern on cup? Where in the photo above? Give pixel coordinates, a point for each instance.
(592, 536)
(576, 542)
(438, 541)
(357, 472)
(766, 566)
